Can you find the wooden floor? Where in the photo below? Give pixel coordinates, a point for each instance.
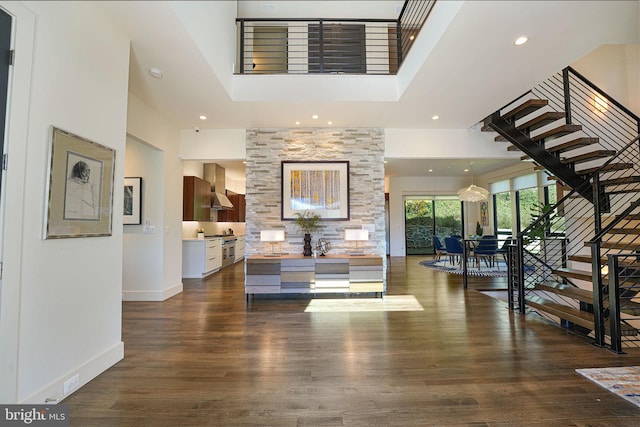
(207, 357)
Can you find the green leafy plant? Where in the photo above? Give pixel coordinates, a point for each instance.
(540, 229)
(307, 222)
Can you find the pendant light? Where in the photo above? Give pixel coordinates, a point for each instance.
(473, 193)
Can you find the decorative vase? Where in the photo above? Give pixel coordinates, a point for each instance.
(307, 245)
(200, 236)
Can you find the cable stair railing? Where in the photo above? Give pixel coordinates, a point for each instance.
(552, 272)
(584, 139)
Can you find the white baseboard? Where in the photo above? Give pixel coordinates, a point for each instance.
(151, 295)
(53, 393)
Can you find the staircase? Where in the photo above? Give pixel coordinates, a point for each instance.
(578, 264)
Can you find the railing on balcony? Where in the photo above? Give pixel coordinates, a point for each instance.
(329, 46)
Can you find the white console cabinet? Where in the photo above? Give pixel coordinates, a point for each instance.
(201, 257)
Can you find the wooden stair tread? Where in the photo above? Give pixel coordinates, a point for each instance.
(541, 120)
(609, 167)
(565, 312)
(627, 246)
(557, 132)
(574, 143)
(567, 290)
(584, 258)
(525, 108)
(573, 273)
(511, 147)
(578, 317)
(621, 180)
(633, 231)
(593, 155)
(604, 260)
(631, 307)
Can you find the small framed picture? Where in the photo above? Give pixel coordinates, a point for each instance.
(132, 206)
(80, 187)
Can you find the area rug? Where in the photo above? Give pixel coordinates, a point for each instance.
(624, 381)
(387, 303)
(498, 270)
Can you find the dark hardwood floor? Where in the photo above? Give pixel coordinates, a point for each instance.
(208, 357)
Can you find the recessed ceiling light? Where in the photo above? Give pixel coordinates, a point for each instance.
(430, 170)
(466, 170)
(155, 72)
(297, 123)
(203, 117)
(436, 117)
(521, 40)
(412, 37)
(314, 117)
(329, 122)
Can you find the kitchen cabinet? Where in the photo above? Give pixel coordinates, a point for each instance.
(237, 214)
(196, 199)
(239, 254)
(201, 257)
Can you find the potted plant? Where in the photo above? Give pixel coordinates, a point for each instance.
(307, 222)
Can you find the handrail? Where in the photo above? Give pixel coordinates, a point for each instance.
(606, 95)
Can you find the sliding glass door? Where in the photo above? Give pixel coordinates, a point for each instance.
(428, 216)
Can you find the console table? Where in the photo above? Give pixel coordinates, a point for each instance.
(326, 274)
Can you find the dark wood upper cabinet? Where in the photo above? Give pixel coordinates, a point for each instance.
(196, 196)
(237, 214)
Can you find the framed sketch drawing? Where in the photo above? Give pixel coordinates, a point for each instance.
(80, 189)
(320, 187)
(132, 206)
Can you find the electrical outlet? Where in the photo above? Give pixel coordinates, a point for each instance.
(71, 384)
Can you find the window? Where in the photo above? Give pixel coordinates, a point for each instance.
(428, 216)
(502, 217)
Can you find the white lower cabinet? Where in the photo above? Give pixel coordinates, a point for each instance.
(239, 254)
(201, 257)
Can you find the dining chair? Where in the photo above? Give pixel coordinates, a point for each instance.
(454, 249)
(440, 249)
(488, 249)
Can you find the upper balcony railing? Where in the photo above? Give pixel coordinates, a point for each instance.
(329, 46)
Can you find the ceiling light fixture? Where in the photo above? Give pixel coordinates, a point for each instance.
(436, 117)
(314, 117)
(473, 193)
(329, 122)
(297, 123)
(521, 40)
(155, 72)
(203, 117)
(430, 170)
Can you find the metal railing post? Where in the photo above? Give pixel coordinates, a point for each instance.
(242, 46)
(614, 304)
(567, 95)
(522, 306)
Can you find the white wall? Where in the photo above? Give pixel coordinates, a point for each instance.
(67, 312)
(145, 124)
(616, 70)
(142, 247)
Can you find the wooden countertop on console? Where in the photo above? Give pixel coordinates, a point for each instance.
(291, 256)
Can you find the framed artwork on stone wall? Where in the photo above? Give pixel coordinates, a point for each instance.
(321, 187)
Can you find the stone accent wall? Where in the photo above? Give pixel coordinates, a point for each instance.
(362, 147)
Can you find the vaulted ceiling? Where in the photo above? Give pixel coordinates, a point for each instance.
(462, 67)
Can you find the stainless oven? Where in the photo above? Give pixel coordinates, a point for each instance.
(228, 250)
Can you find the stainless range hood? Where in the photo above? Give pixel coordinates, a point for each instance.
(216, 176)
